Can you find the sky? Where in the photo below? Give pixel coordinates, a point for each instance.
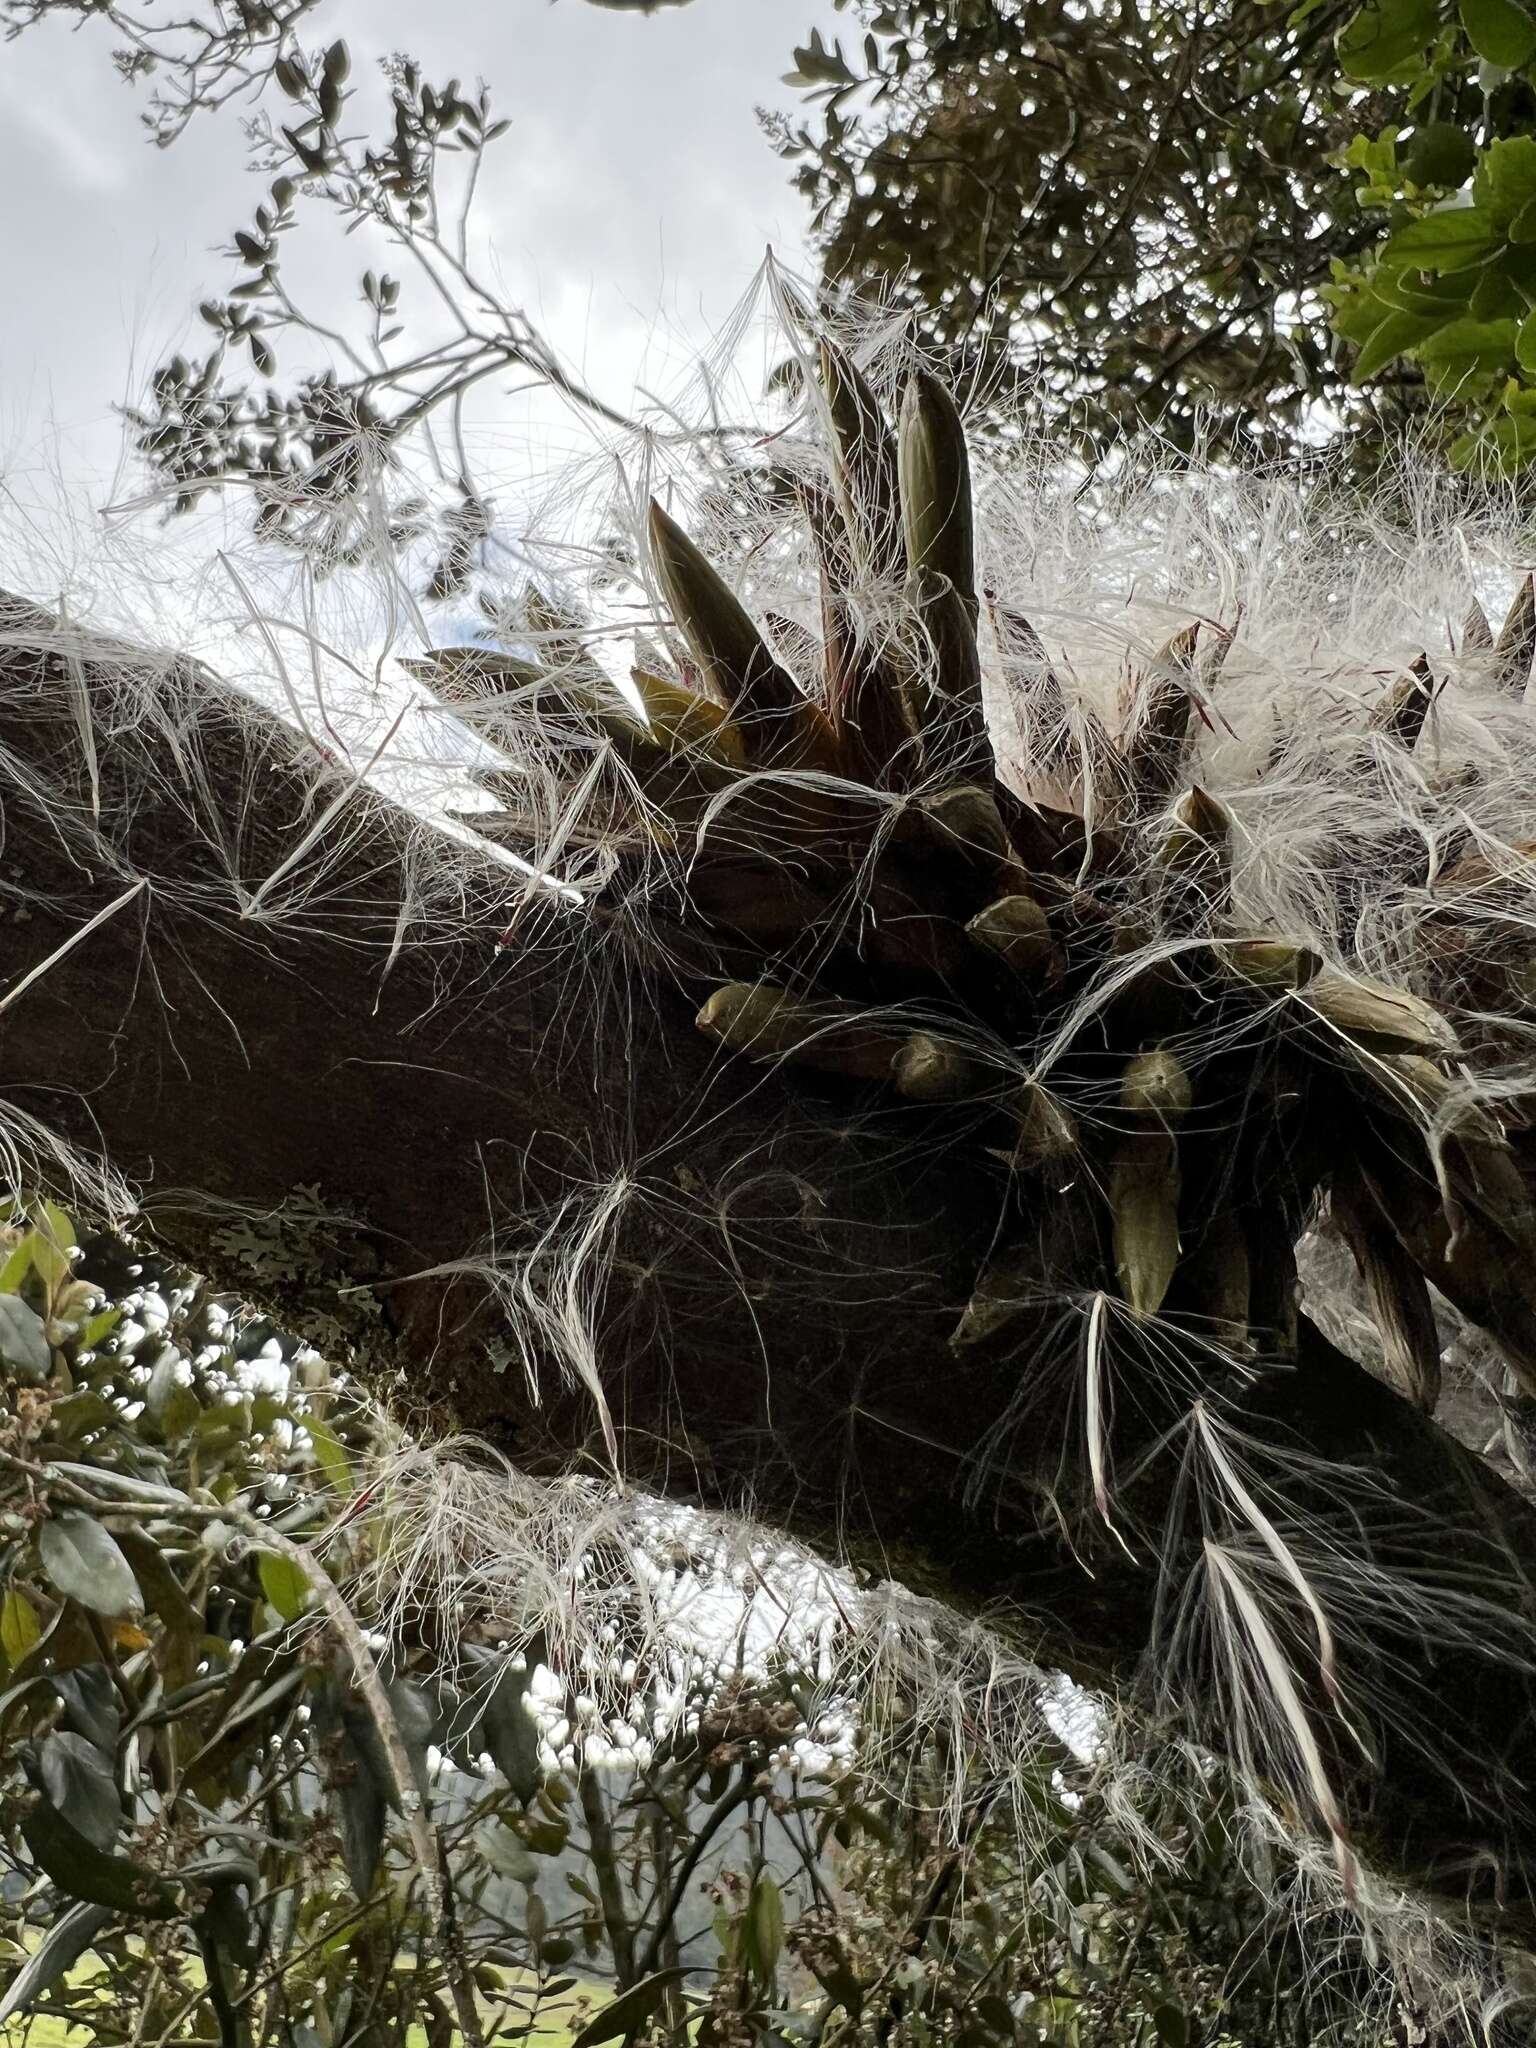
(627, 209)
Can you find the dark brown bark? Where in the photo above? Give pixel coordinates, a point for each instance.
(774, 1321)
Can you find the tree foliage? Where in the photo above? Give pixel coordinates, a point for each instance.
(1134, 205)
(1204, 221)
(204, 1833)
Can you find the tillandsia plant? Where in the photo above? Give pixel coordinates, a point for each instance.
(202, 1825)
(926, 1007)
(1163, 1045)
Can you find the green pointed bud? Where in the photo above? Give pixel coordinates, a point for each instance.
(930, 1069)
(1018, 931)
(1269, 963)
(934, 472)
(1047, 1129)
(767, 1023)
(1377, 1018)
(777, 722)
(1155, 747)
(1402, 708)
(864, 472)
(1144, 1189)
(1156, 1086)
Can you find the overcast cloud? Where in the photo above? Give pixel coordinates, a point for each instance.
(628, 208)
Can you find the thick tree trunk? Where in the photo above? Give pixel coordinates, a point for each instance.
(773, 1296)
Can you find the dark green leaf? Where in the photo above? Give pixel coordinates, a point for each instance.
(23, 1342)
(509, 1734)
(1172, 2024)
(1501, 32)
(1441, 153)
(82, 1871)
(629, 2011)
(764, 1929)
(83, 1561)
(1385, 42)
(77, 1777)
(1467, 349)
(90, 1702)
(1395, 336)
(1505, 180)
(55, 1955)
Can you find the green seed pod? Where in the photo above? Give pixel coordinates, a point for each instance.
(1399, 1294)
(1144, 1189)
(1156, 1086)
(1197, 855)
(1201, 828)
(1006, 1287)
(1047, 1129)
(767, 1023)
(685, 723)
(1214, 1282)
(1159, 737)
(779, 726)
(1377, 1018)
(1268, 963)
(930, 1069)
(934, 473)
(1018, 931)
(948, 680)
(865, 470)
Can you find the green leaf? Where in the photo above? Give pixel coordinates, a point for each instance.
(1525, 344)
(17, 1266)
(1505, 180)
(1467, 349)
(1384, 43)
(1172, 2024)
(764, 1926)
(1441, 153)
(1500, 31)
(20, 1629)
(162, 1590)
(330, 1454)
(91, 1704)
(284, 1583)
(82, 1871)
(53, 1234)
(627, 2013)
(84, 1562)
(1449, 239)
(99, 1328)
(508, 1732)
(77, 1777)
(55, 1955)
(23, 1340)
(362, 1807)
(1395, 336)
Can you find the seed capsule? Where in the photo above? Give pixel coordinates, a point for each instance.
(779, 726)
(766, 1023)
(934, 473)
(1377, 1018)
(1269, 963)
(930, 1069)
(1017, 930)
